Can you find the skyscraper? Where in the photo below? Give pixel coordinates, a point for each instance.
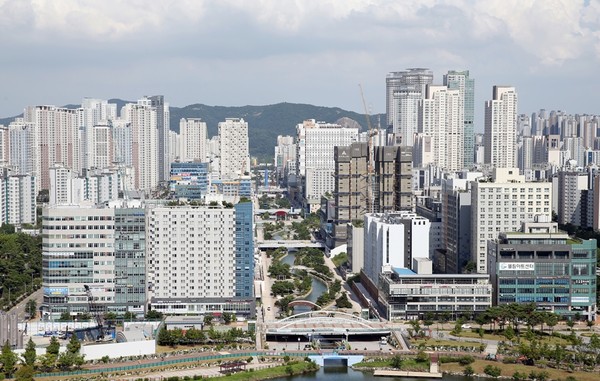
(404, 89)
(500, 127)
(460, 80)
(142, 120)
(193, 140)
(441, 117)
(162, 136)
(233, 148)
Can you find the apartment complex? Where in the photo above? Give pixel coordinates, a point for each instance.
(390, 184)
(500, 127)
(501, 204)
(193, 138)
(234, 152)
(200, 259)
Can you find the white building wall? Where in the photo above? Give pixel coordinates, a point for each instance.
(233, 148)
(193, 140)
(142, 119)
(191, 251)
(500, 127)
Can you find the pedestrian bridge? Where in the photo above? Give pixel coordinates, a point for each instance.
(332, 325)
(273, 244)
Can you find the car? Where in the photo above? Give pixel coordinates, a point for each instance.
(466, 326)
(269, 308)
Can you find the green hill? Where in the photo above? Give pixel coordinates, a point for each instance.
(265, 122)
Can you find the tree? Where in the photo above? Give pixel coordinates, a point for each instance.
(154, 315)
(29, 355)
(396, 362)
(8, 359)
(195, 336)
(551, 320)
(47, 361)
(226, 317)
(74, 345)
(164, 337)
(53, 347)
(66, 360)
(208, 319)
(129, 316)
(65, 316)
(590, 324)
(31, 308)
(570, 323)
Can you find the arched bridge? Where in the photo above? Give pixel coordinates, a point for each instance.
(306, 303)
(325, 324)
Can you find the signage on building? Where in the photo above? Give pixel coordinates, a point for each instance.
(56, 291)
(517, 266)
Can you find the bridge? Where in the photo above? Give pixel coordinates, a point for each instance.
(332, 325)
(291, 244)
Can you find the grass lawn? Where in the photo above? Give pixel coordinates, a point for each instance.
(551, 340)
(509, 369)
(486, 336)
(278, 371)
(409, 364)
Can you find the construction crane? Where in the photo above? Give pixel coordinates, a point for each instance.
(96, 312)
(370, 165)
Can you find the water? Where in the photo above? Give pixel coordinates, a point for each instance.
(347, 374)
(318, 286)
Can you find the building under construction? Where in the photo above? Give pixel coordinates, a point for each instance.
(390, 179)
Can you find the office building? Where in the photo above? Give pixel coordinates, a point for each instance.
(501, 204)
(461, 81)
(393, 240)
(193, 138)
(197, 259)
(189, 180)
(542, 265)
(500, 127)
(234, 160)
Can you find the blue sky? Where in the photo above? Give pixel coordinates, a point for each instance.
(236, 52)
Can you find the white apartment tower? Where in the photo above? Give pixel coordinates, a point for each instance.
(441, 117)
(142, 119)
(193, 139)
(190, 252)
(233, 148)
(501, 204)
(315, 156)
(93, 112)
(56, 140)
(21, 146)
(500, 127)
(122, 142)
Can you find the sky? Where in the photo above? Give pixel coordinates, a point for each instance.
(257, 52)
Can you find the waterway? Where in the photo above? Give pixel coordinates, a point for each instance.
(318, 286)
(347, 374)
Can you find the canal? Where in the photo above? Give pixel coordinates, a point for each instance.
(348, 374)
(318, 286)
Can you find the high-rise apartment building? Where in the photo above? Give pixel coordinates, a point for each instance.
(93, 112)
(142, 119)
(404, 90)
(56, 141)
(575, 198)
(501, 204)
(285, 153)
(163, 114)
(200, 259)
(461, 81)
(193, 138)
(315, 157)
(122, 142)
(21, 138)
(441, 118)
(500, 127)
(391, 184)
(18, 199)
(234, 150)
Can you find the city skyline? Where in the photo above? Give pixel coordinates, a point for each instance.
(312, 53)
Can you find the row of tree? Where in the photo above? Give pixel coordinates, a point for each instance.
(193, 336)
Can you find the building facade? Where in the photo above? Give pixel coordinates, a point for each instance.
(193, 138)
(234, 151)
(544, 266)
(501, 204)
(461, 81)
(500, 135)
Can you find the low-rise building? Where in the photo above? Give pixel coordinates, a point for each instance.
(543, 265)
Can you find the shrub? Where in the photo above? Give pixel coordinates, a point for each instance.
(466, 360)
(509, 360)
(468, 371)
(492, 371)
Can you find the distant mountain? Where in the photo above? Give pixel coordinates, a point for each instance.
(265, 122)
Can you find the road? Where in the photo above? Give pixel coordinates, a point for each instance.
(19, 309)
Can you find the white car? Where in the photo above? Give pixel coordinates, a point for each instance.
(466, 326)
